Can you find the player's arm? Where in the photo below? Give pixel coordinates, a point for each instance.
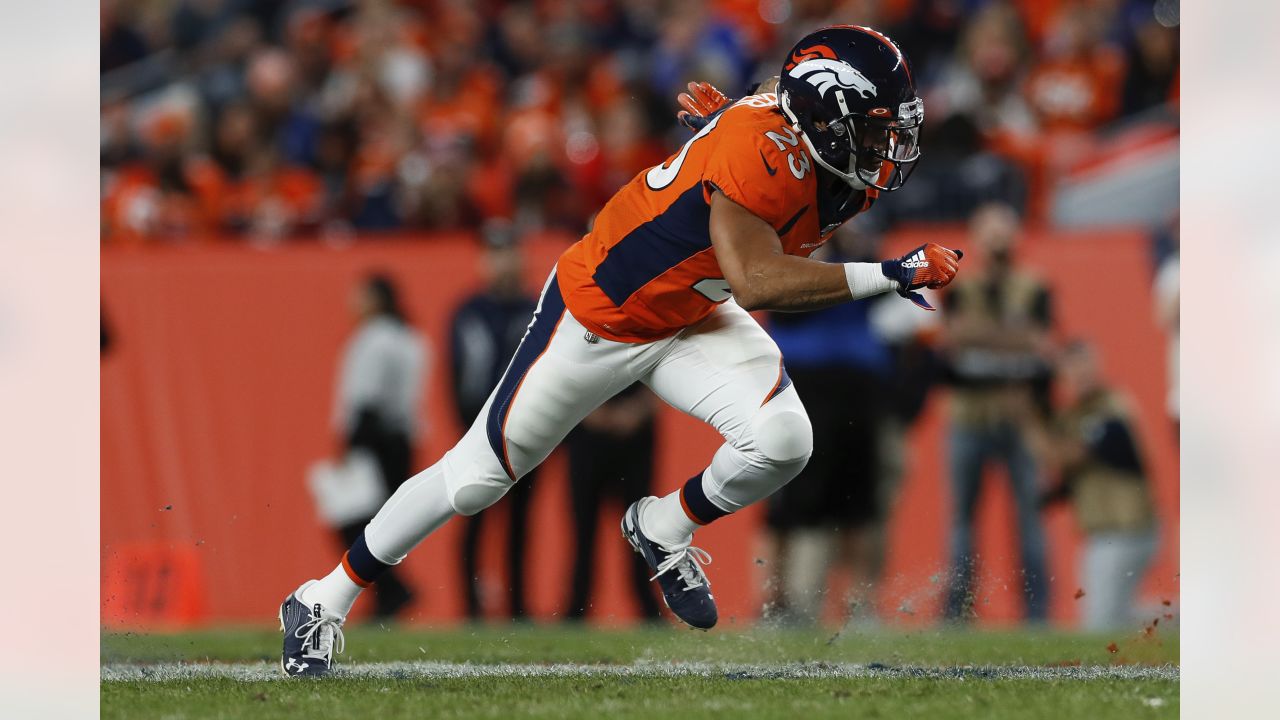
(763, 277)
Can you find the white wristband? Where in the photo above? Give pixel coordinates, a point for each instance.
(866, 279)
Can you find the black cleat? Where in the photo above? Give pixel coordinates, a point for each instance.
(685, 587)
(311, 635)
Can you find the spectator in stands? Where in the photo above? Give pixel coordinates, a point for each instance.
(610, 455)
(1152, 75)
(1102, 473)
(985, 129)
(984, 82)
(151, 193)
(380, 385)
(931, 28)
(120, 43)
(1076, 85)
(485, 332)
(997, 324)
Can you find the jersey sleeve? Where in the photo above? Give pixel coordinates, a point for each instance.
(750, 170)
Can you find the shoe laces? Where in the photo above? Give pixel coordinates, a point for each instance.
(687, 562)
(321, 636)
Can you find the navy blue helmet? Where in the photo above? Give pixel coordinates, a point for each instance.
(848, 91)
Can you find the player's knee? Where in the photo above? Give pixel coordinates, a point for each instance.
(785, 438)
(471, 498)
(475, 488)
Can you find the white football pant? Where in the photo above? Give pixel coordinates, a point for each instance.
(725, 371)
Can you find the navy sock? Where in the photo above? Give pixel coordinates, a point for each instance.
(695, 503)
(361, 565)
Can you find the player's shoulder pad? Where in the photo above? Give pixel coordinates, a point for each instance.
(761, 162)
(757, 122)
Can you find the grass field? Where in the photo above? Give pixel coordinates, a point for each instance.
(570, 672)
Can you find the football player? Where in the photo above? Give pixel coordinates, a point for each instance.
(658, 292)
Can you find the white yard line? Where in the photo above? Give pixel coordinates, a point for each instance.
(253, 672)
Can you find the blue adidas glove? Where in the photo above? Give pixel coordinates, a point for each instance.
(930, 265)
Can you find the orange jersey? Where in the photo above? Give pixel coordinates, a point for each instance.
(647, 268)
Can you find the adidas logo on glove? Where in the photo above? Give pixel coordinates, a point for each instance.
(916, 261)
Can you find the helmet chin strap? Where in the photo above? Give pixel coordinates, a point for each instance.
(856, 180)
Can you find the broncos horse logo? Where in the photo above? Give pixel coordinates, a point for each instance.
(824, 74)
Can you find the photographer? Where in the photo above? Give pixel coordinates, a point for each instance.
(996, 343)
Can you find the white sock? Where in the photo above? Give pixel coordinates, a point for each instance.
(335, 591)
(666, 523)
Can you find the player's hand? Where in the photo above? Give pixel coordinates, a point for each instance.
(928, 266)
(700, 104)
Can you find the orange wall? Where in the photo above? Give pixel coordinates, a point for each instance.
(217, 396)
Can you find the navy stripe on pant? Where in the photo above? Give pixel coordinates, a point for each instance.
(784, 382)
(535, 342)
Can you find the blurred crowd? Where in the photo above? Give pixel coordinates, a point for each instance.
(273, 119)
